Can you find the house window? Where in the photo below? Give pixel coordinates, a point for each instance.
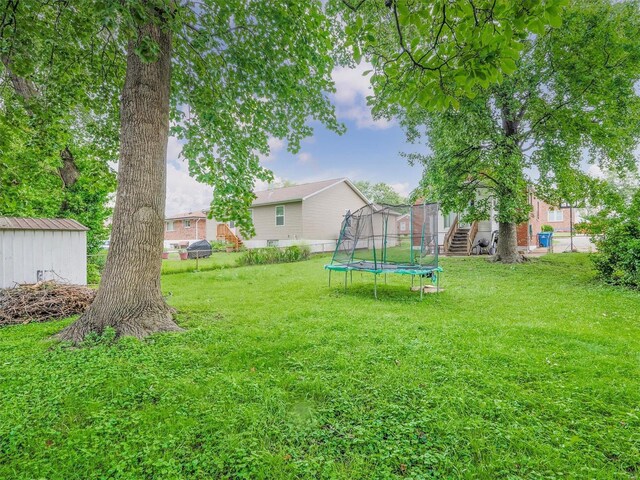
(272, 243)
(556, 215)
(187, 223)
(170, 227)
(403, 226)
(280, 216)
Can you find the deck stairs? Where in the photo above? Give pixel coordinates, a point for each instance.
(225, 234)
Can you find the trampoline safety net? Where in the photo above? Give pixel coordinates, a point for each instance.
(389, 239)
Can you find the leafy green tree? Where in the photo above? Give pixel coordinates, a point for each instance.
(615, 229)
(571, 97)
(229, 74)
(432, 52)
(380, 193)
(53, 149)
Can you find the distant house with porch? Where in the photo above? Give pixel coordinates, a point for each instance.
(458, 238)
(309, 213)
(182, 229)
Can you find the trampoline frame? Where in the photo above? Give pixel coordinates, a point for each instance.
(413, 267)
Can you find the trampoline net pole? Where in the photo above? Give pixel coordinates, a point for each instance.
(411, 235)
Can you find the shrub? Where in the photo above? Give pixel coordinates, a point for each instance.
(95, 266)
(217, 246)
(617, 238)
(265, 256)
(546, 228)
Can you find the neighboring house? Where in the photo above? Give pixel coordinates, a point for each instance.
(41, 249)
(458, 237)
(182, 229)
(309, 213)
(404, 224)
(560, 218)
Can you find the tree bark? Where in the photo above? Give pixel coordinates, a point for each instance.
(129, 298)
(507, 251)
(22, 86)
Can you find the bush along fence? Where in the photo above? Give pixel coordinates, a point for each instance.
(268, 255)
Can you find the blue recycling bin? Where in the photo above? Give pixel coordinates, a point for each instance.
(544, 239)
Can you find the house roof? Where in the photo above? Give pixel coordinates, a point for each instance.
(297, 193)
(66, 224)
(187, 215)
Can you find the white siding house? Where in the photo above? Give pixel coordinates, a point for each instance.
(40, 249)
(309, 213)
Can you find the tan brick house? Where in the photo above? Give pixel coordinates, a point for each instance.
(560, 218)
(182, 229)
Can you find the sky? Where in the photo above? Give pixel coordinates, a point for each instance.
(369, 150)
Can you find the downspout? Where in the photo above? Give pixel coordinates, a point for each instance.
(197, 220)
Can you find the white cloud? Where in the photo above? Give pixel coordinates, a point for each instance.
(174, 149)
(184, 194)
(403, 189)
(305, 158)
(352, 88)
(262, 185)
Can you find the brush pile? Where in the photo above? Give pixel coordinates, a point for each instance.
(42, 301)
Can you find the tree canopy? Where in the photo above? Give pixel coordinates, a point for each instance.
(58, 128)
(572, 99)
(242, 71)
(380, 193)
(432, 52)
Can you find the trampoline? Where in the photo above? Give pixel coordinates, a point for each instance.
(372, 240)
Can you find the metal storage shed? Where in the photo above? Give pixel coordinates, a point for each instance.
(40, 249)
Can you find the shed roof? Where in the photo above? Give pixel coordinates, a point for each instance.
(66, 224)
(300, 192)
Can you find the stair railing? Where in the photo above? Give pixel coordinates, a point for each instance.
(472, 236)
(450, 234)
(224, 232)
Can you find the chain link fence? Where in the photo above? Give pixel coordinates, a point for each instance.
(183, 260)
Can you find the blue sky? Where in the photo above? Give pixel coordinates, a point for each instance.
(369, 150)
(362, 153)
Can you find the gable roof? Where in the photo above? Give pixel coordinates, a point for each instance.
(64, 224)
(298, 193)
(188, 215)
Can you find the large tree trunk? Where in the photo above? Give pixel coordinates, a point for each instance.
(129, 298)
(507, 251)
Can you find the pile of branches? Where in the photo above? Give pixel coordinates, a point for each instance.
(43, 301)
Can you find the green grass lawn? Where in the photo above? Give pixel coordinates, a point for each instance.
(216, 261)
(528, 371)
